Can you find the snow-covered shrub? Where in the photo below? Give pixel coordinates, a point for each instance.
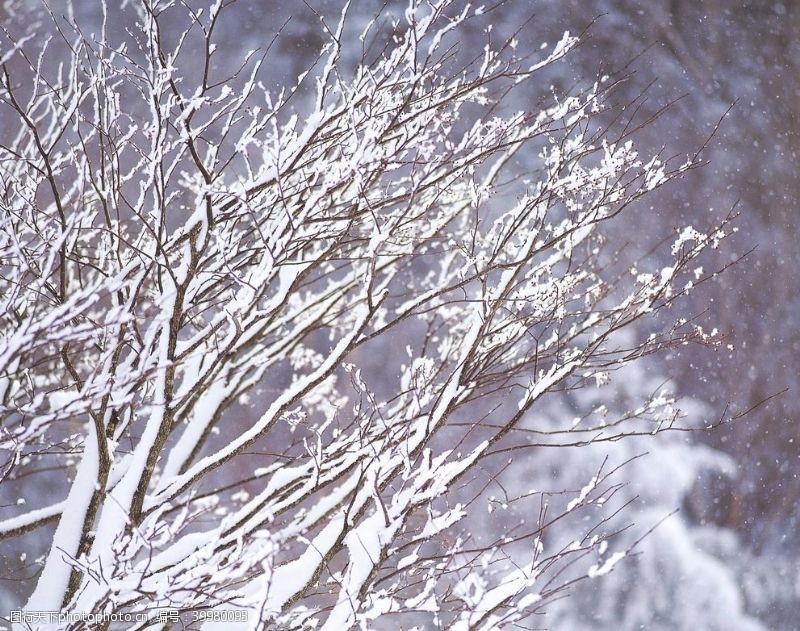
(270, 346)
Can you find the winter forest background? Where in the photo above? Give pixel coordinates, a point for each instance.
(729, 558)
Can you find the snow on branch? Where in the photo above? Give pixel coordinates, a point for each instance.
(268, 346)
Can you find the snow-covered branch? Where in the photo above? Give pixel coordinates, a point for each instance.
(269, 344)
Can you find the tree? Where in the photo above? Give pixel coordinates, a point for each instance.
(270, 350)
(678, 562)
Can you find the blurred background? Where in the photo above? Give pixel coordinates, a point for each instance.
(730, 559)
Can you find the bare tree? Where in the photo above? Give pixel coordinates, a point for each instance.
(270, 345)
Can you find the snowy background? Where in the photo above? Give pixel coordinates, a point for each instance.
(730, 558)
